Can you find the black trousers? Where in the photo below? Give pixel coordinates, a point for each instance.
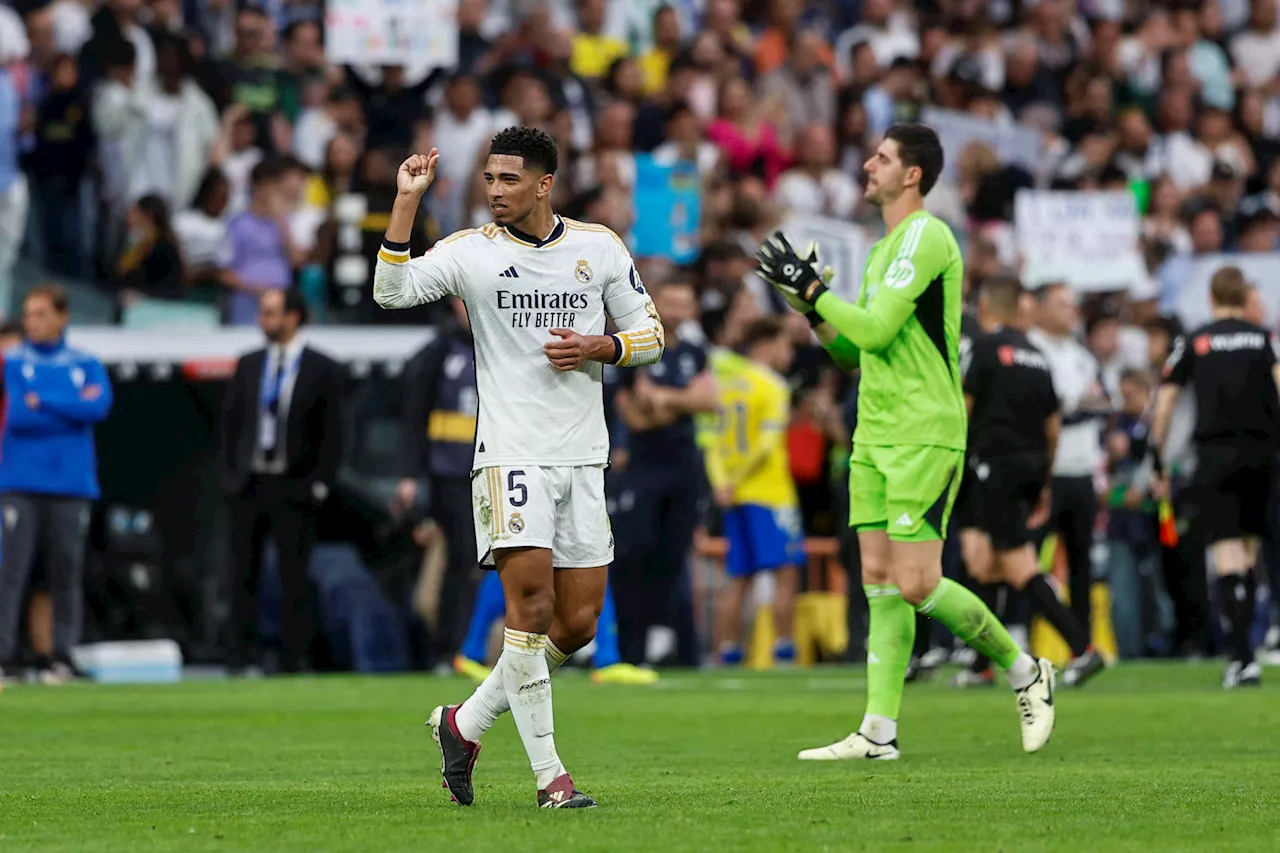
(1075, 510)
(1185, 578)
(55, 527)
(283, 510)
(451, 509)
(656, 513)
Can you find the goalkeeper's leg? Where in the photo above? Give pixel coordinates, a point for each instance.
(918, 568)
(890, 636)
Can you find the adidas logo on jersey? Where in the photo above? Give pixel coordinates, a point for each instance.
(904, 520)
(509, 272)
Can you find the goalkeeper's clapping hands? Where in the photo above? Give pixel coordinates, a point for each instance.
(796, 279)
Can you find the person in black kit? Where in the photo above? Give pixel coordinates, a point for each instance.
(657, 501)
(281, 443)
(439, 443)
(1233, 366)
(1014, 421)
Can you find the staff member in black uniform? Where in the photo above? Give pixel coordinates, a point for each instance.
(1014, 421)
(1234, 368)
(281, 443)
(439, 443)
(656, 504)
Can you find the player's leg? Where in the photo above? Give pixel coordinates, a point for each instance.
(490, 606)
(891, 623)
(512, 507)
(777, 546)
(919, 494)
(1016, 482)
(739, 568)
(984, 580)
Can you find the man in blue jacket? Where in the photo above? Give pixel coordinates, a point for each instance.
(48, 473)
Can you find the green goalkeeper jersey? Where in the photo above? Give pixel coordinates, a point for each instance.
(906, 323)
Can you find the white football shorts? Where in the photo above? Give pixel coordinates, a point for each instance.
(531, 506)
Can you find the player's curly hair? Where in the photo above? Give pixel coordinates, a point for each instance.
(537, 147)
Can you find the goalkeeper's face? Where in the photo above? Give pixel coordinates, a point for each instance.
(885, 174)
(513, 190)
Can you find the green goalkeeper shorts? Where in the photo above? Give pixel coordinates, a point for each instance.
(907, 490)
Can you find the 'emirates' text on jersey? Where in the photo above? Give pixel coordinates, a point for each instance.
(516, 290)
(1013, 396)
(1229, 364)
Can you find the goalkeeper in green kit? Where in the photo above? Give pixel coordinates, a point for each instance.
(909, 445)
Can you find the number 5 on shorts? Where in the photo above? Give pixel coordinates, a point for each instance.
(515, 486)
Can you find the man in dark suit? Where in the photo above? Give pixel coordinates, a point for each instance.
(281, 442)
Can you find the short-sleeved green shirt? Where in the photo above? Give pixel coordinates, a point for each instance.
(910, 392)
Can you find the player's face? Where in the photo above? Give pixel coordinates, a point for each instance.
(781, 353)
(886, 176)
(513, 190)
(676, 304)
(42, 321)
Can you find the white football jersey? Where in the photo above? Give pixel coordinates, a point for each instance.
(517, 289)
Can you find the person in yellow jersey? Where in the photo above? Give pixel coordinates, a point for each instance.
(752, 484)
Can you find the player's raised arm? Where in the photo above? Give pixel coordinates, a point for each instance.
(873, 328)
(401, 282)
(640, 339)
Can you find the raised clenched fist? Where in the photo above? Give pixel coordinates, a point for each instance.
(417, 173)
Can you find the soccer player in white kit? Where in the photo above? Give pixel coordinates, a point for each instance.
(538, 290)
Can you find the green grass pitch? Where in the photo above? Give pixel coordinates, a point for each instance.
(1147, 758)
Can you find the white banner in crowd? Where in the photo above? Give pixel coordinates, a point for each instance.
(842, 247)
(1016, 144)
(1087, 239)
(422, 33)
(1262, 270)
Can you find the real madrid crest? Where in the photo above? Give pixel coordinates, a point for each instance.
(516, 523)
(583, 271)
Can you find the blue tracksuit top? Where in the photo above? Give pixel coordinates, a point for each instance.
(49, 449)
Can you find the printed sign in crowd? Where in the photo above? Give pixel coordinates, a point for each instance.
(1087, 239)
(418, 33)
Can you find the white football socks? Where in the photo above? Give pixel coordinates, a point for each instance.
(489, 702)
(877, 729)
(528, 682)
(1023, 673)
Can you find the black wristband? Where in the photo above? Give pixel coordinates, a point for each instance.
(394, 247)
(813, 292)
(815, 319)
(1157, 463)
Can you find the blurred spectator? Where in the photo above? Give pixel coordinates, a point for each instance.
(13, 184)
(666, 43)
(889, 34)
(48, 474)
(280, 445)
(262, 255)
(151, 264)
(201, 230)
(750, 141)
(320, 123)
(594, 51)
(780, 40)
(684, 131)
(814, 187)
(803, 84)
(397, 111)
(59, 163)
(462, 127)
(1204, 223)
(1256, 51)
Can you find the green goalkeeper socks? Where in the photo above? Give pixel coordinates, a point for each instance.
(890, 638)
(968, 618)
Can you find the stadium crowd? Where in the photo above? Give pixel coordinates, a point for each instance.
(179, 155)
